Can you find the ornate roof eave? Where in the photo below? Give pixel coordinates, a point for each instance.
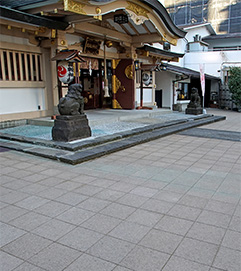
(189, 72)
(164, 55)
(162, 12)
(16, 15)
(68, 55)
(139, 11)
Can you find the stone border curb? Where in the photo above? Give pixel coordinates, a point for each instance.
(83, 151)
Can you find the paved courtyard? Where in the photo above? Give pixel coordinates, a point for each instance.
(171, 204)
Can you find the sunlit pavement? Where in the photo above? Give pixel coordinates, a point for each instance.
(171, 204)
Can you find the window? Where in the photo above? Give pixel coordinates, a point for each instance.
(182, 91)
(20, 66)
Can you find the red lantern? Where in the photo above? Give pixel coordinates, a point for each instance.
(65, 72)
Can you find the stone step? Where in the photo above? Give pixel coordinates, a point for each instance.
(90, 149)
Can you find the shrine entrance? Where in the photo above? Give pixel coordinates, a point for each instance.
(91, 84)
(90, 78)
(90, 74)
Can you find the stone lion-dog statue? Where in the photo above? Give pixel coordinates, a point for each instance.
(73, 102)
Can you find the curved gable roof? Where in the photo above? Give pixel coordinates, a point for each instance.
(156, 24)
(162, 12)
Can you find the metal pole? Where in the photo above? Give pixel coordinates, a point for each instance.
(141, 89)
(105, 68)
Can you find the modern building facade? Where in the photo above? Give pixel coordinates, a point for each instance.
(224, 15)
(213, 40)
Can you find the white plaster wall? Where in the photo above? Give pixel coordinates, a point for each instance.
(147, 96)
(18, 100)
(109, 50)
(181, 43)
(158, 45)
(164, 81)
(201, 31)
(213, 60)
(72, 39)
(180, 47)
(12, 39)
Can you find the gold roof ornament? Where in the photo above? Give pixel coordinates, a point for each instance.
(137, 13)
(73, 6)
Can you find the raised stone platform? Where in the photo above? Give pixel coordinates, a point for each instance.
(78, 152)
(69, 128)
(194, 111)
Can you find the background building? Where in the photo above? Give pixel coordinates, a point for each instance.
(224, 15)
(213, 40)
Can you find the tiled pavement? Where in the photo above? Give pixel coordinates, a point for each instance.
(172, 204)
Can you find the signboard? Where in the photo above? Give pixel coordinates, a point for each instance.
(91, 46)
(121, 19)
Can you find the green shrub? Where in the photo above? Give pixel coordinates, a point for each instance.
(234, 84)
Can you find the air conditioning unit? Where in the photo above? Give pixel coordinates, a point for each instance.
(166, 46)
(197, 37)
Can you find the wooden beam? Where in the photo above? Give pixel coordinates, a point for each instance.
(19, 47)
(78, 18)
(147, 38)
(26, 67)
(15, 67)
(138, 44)
(125, 29)
(19, 25)
(101, 31)
(146, 28)
(45, 8)
(36, 67)
(31, 67)
(16, 29)
(20, 66)
(133, 28)
(2, 65)
(22, 84)
(10, 78)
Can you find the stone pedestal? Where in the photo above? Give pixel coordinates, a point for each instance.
(70, 127)
(194, 111)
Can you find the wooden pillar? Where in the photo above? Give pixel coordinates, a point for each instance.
(54, 80)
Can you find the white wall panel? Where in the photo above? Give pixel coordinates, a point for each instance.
(147, 95)
(17, 100)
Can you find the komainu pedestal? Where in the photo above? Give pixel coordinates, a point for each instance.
(68, 128)
(194, 107)
(72, 124)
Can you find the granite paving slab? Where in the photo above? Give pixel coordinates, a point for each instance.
(209, 133)
(127, 211)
